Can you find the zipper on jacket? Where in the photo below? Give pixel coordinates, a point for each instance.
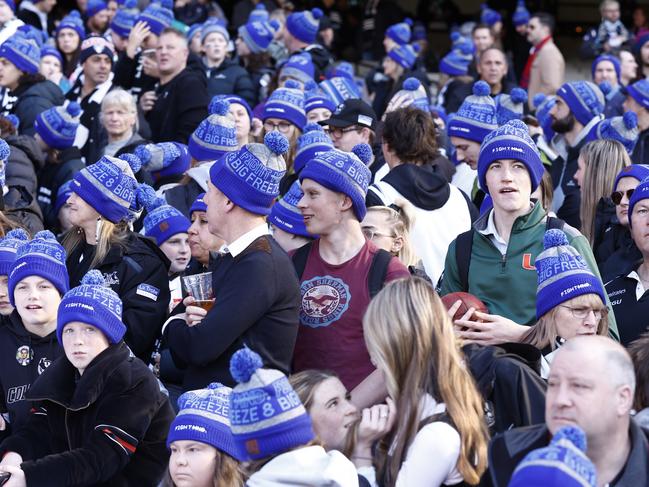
(67, 431)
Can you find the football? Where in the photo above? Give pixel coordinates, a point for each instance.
(468, 301)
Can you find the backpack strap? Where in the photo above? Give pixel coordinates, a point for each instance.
(553, 222)
(378, 271)
(463, 249)
(299, 258)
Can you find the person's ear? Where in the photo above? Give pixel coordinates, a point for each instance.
(624, 400)
(346, 203)
(397, 244)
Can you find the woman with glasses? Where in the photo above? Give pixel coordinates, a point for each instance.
(570, 299)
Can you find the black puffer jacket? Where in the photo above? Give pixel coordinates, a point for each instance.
(26, 159)
(34, 99)
(230, 78)
(104, 428)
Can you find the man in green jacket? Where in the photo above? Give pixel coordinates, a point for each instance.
(506, 240)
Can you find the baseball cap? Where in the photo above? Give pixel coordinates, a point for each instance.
(352, 112)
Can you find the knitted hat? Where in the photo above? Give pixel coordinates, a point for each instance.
(22, 53)
(62, 195)
(584, 98)
(304, 25)
(637, 171)
(198, 204)
(203, 417)
(412, 94)
(563, 274)
(259, 34)
(94, 7)
(164, 159)
(106, 187)
(212, 25)
(405, 55)
(342, 69)
(13, 120)
(266, 415)
(57, 126)
(400, 33)
(606, 57)
(74, 22)
(543, 104)
(51, 51)
(340, 89)
(5, 152)
(231, 99)
(521, 14)
(250, 176)
(343, 172)
(9, 245)
(298, 66)
(193, 30)
(95, 44)
(123, 22)
(476, 117)
(92, 302)
(42, 256)
(157, 18)
(312, 142)
(622, 129)
(489, 16)
(258, 14)
(286, 103)
(510, 107)
(286, 215)
(31, 33)
(456, 62)
(641, 192)
(315, 98)
(215, 135)
(162, 220)
(563, 463)
(639, 91)
(510, 141)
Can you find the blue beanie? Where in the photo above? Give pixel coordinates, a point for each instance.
(606, 57)
(286, 103)
(298, 66)
(95, 44)
(543, 104)
(250, 176)
(304, 25)
(57, 126)
(106, 187)
(42, 256)
(521, 14)
(413, 90)
(74, 22)
(456, 62)
(31, 33)
(193, 30)
(203, 417)
(510, 107)
(584, 98)
(563, 463)
(5, 152)
(639, 91)
(641, 192)
(212, 25)
(340, 89)
(400, 33)
(343, 172)
(94, 7)
(162, 220)
(64, 192)
(563, 274)
(258, 14)
(489, 16)
(9, 245)
(476, 117)
(623, 129)
(286, 215)
(259, 34)
(198, 204)
(266, 415)
(215, 135)
(405, 56)
(231, 99)
(312, 142)
(92, 302)
(22, 53)
(315, 98)
(636, 171)
(342, 69)
(510, 141)
(123, 22)
(165, 159)
(157, 18)
(51, 51)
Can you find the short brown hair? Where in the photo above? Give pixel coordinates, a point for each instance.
(639, 351)
(411, 135)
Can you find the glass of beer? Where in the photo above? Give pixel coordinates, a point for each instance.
(199, 287)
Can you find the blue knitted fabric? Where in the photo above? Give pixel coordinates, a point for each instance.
(476, 117)
(343, 69)
(584, 99)
(42, 256)
(215, 135)
(414, 91)
(258, 14)
(641, 192)
(606, 57)
(164, 221)
(212, 25)
(232, 99)
(405, 56)
(400, 33)
(165, 159)
(622, 129)
(286, 215)
(123, 22)
(456, 62)
(521, 14)
(92, 302)
(9, 245)
(489, 16)
(563, 274)
(300, 67)
(198, 204)
(636, 171)
(510, 106)
(62, 195)
(51, 51)
(304, 25)
(157, 18)
(31, 33)
(22, 53)
(203, 417)
(340, 89)
(639, 91)
(73, 21)
(286, 103)
(315, 98)
(311, 143)
(258, 34)
(5, 152)
(193, 30)
(57, 126)
(266, 415)
(94, 7)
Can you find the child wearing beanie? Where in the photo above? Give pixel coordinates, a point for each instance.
(99, 380)
(278, 430)
(37, 279)
(570, 299)
(201, 442)
(317, 105)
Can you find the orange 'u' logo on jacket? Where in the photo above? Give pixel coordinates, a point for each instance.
(527, 262)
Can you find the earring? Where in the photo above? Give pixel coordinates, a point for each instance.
(98, 227)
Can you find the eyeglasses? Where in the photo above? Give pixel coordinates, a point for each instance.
(371, 234)
(283, 127)
(338, 132)
(581, 313)
(617, 195)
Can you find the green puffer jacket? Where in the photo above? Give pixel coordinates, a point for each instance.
(507, 283)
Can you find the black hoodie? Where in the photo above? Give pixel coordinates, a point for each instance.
(24, 356)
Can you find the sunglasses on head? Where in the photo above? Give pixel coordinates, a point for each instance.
(618, 195)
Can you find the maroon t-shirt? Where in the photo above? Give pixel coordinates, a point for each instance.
(334, 300)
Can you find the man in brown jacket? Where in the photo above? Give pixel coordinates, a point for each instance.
(545, 68)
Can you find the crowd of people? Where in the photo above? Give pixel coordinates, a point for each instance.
(229, 256)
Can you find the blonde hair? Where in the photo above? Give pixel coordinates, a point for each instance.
(109, 234)
(227, 472)
(123, 99)
(400, 217)
(603, 160)
(410, 337)
(544, 332)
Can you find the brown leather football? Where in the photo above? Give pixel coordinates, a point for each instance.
(468, 301)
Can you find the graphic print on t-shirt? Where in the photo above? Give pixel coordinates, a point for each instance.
(324, 300)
